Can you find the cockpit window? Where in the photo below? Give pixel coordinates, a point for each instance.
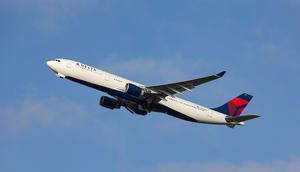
(57, 60)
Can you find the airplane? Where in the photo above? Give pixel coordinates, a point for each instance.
(141, 100)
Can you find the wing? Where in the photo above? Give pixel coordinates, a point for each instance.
(179, 87)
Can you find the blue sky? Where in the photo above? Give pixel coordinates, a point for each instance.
(48, 124)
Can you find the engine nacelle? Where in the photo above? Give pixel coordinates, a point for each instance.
(109, 103)
(134, 90)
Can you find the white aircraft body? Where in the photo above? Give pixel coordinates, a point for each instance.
(140, 99)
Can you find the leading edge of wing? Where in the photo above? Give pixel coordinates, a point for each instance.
(179, 87)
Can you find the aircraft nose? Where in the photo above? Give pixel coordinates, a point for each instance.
(50, 64)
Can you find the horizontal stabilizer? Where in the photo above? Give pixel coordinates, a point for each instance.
(240, 118)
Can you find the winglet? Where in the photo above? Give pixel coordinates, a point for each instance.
(221, 74)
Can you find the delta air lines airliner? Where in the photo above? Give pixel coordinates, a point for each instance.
(141, 99)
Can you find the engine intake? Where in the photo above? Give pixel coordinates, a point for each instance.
(109, 103)
(134, 90)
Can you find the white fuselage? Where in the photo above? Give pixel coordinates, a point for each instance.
(68, 68)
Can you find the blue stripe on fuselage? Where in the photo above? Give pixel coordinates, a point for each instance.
(114, 93)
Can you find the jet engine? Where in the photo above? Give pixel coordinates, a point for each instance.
(109, 103)
(134, 90)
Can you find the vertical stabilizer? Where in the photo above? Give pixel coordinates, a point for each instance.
(235, 106)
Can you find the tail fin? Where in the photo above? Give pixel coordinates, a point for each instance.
(235, 106)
